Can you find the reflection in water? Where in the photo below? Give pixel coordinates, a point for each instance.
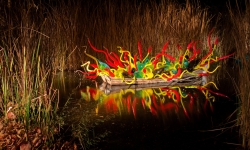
(132, 114)
(162, 101)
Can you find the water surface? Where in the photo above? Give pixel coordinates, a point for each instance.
(135, 117)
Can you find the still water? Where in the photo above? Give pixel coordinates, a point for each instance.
(136, 117)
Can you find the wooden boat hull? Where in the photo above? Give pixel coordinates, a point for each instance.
(187, 79)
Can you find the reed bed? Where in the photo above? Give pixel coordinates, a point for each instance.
(240, 32)
(127, 22)
(28, 102)
(39, 38)
(109, 24)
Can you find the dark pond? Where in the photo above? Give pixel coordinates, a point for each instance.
(134, 117)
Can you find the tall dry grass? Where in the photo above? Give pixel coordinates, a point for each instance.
(26, 94)
(64, 26)
(118, 23)
(40, 37)
(240, 32)
(123, 23)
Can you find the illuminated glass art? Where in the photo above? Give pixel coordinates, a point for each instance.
(125, 68)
